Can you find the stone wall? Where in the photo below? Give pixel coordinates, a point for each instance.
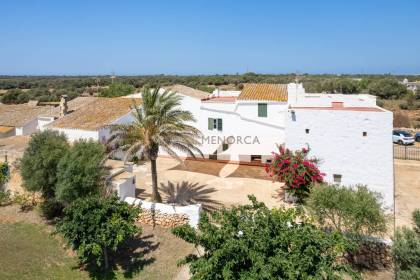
(373, 254)
(155, 217)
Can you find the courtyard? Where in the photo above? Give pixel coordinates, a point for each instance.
(221, 184)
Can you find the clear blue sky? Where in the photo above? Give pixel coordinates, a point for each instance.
(206, 37)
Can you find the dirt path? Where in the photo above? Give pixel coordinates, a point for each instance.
(407, 190)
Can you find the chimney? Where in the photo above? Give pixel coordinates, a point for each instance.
(63, 106)
(337, 104)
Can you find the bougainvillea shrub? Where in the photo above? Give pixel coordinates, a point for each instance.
(296, 170)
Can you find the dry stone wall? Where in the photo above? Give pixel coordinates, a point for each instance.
(155, 217)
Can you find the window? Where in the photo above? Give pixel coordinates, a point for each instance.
(215, 124)
(307, 131)
(225, 146)
(337, 178)
(262, 110)
(255, 158)
(364, 133)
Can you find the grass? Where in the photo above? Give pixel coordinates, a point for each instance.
(28, 250)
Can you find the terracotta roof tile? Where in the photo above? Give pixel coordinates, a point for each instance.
(188, 91)
(269, 92)
(96, 114)
(21, 114)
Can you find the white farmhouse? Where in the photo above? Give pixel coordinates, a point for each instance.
(92, 120)
(22, 119)
(349, 133)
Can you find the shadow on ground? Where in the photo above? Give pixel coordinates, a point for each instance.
(187, 193)
(247, 171)
(128, 260)
(204, 167)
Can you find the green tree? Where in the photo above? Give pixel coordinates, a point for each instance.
(81, 171)
(39, 163)
(94, 226)
(406, 250)
(159, 124)
(356, 211)
(117, 89)
(254, 242)
(387, 88)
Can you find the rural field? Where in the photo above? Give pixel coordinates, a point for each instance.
(31, 250)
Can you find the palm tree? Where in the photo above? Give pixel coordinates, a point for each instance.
(159, 123)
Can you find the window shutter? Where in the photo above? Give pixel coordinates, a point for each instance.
(220, 124)
(262, 109)
(210, 124)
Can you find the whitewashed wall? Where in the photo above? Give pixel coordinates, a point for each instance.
(240, 119)
(77, 134)
(43, 121)
(125, 187)
(27, 129)
(336, 137)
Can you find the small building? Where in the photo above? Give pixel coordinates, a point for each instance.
(92, 120)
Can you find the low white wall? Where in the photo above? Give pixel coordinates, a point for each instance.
(125, 187)
(192, 211)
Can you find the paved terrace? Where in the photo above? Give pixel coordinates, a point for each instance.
(213, 184)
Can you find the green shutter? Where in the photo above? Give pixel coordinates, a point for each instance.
(210, 124)
(262, 110)
(219, 124)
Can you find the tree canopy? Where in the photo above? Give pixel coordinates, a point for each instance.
(81, 171)
(158, 124)
(117, 89)
(254, 242)
(38, 165)
(94, 226)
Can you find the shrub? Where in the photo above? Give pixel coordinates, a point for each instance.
(4, 173)
(296, 170)
(356, 211)
(81, 171)
(401, 119)
(5, 197)
(416, 219)
(39, 163)
(94, 226)
(406, 250)
(51, 208)
(387, 88)
(27, 201)
(117, 89)
(254, 242)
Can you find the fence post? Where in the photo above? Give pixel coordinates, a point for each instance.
(405, 152)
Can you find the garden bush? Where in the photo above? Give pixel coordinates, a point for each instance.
(96, 226)
(81, 171)
(354, 210)
(4, 173)
(406, 250)
(254, 242)
(5, 197)
(296, 170)
(39, 164)
(51, 208)
(27, 201)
